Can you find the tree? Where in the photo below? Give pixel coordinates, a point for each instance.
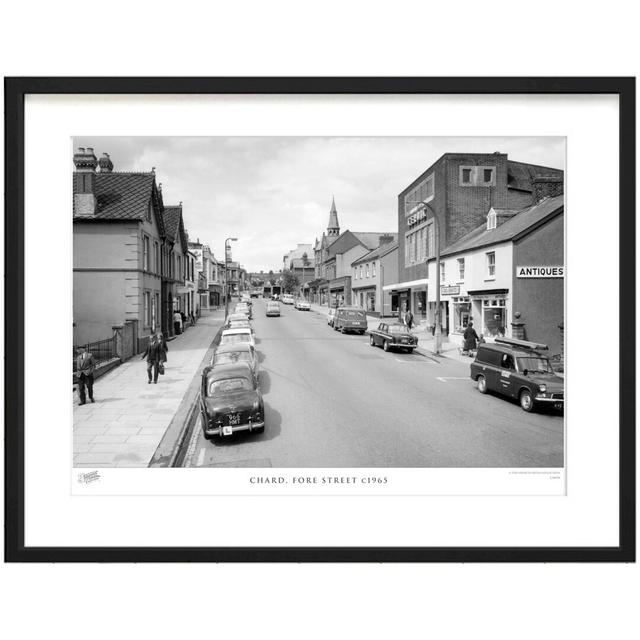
(290, 281)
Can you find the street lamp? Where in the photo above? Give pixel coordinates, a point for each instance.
(226, 276)
(437, 334)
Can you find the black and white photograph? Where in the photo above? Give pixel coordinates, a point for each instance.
(318, 302)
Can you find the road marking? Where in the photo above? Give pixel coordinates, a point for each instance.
(200, 458)
(444, 379)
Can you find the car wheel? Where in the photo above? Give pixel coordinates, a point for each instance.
(342, 330)
(526, 400)
(372, 342)
(482, 384)
(385, 345)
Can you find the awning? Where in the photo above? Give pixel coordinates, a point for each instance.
(487, 292)
(406, 285)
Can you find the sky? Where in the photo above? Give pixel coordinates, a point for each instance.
(274, 193)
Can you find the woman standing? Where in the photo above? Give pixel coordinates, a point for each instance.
(470, 339)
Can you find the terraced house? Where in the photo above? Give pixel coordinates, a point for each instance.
(125, 257)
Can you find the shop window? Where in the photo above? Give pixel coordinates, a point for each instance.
(494, 317)
(491, 264)
(461, 313)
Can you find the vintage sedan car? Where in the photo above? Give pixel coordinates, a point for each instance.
(235, 319)
(330, 316)
(234, 353)
(287, 298)
(393, 335)
(236, 335)
(272, 308)
(243, 307)
(230, 400)
(350, 319)
(520, 370)
(302, 305)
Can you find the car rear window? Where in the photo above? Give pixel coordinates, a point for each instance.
(231, 357)
(228, 385)
(354, 315)
(235, 337)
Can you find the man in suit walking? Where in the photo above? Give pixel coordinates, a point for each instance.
(85, 366)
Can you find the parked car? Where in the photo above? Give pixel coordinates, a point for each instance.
(243, 307)
(233, 336)
(272, 308)
(230, 400)
(287, 298)
(235, 318)
(234, 353)
(393, 335)
(520, 370)
(302, 305)
(330, 316)
(350, 319)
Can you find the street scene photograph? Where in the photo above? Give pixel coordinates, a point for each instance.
(318, 302)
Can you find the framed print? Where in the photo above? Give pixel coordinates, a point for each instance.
(320, 319)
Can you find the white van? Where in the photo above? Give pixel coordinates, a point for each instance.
(287, 298)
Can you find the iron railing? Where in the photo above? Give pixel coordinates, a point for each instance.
(102, 351)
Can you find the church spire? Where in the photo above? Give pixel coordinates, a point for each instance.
(333, 230)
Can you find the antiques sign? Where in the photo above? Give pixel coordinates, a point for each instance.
(540, 272)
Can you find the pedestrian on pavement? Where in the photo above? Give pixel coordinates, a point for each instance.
(192, 318)
(470, 340)
(177, 322)
(154, 354)
(408, 319)
(183, 319)
(85, 366)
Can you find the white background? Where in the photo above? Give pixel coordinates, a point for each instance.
(320, 601)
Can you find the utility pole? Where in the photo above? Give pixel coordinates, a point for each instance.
(226, 276)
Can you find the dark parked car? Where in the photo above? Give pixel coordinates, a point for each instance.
(393, 335)
(350, 319)
(230, 400)
(520, 370)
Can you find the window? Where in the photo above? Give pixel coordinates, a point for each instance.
(474, 176)
(361, 271)
(366, 270)
(355, 273)
(491, 264)
(460, 268)
(156, 257)
(492, 221)
(373, 269)
(147, 308)
(442, 272)
(145, 253)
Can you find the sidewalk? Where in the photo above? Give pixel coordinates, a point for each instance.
(425, 339)
(126, 423)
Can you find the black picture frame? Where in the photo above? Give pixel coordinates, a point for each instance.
(15, 91)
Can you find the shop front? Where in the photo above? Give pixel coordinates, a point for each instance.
(365, 297)
(340, 291)
(491, 313)
(409, 296)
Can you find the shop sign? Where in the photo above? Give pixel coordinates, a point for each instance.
(450, 290)
(540, 272)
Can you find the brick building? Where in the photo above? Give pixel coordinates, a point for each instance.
(459, 189)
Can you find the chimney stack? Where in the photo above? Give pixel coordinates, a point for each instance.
(547, 187)
(84, 182)
(385, 238)
(105, 164)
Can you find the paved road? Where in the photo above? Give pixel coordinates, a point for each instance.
(332, 400)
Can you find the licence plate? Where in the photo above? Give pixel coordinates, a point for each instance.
(227, 431)
(234, 418)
